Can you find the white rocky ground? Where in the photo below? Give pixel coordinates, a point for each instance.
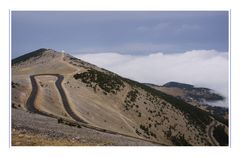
(96, 108)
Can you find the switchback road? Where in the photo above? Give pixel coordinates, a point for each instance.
(31, 100)
(31, 107)
(210, 133)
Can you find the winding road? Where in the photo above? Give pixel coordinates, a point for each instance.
(30, 105)
(31, 100)
(210, 133)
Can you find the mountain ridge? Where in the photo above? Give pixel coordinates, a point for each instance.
(107, 100)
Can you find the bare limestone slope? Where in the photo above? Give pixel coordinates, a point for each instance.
(106, 101)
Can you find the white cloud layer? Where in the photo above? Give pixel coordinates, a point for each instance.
(203, 68)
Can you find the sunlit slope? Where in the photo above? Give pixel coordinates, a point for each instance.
(105, 100)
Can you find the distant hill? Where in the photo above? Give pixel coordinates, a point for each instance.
(178, 85)
(197, 93)
(196, 96)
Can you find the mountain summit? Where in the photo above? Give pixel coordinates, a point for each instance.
(65, 94)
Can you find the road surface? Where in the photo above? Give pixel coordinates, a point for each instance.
(210, 133)
(31, 100)
(31, 107)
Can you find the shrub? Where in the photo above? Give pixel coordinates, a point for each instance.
(179, 140)
(197, 117)
(60, 120)
(107, 82)
(132, 95)
(69, 123)
(153, 135)
(14, 85)
(139, 133)
(220, 135)
(14, 105)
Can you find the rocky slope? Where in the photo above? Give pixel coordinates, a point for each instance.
(106, 101)
(200, 97)
(203, 98)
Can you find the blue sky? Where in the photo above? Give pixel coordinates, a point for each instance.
(134, 33)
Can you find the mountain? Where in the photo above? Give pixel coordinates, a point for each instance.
(202, 98)
(63, 100)
(178, 85)
(197, 93)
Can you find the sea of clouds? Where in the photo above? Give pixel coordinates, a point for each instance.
(202, 68)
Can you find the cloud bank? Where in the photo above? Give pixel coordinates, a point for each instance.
(202, 68)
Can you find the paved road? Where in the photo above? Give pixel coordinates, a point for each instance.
(210, 133)
(31, 106)
(31, 100)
